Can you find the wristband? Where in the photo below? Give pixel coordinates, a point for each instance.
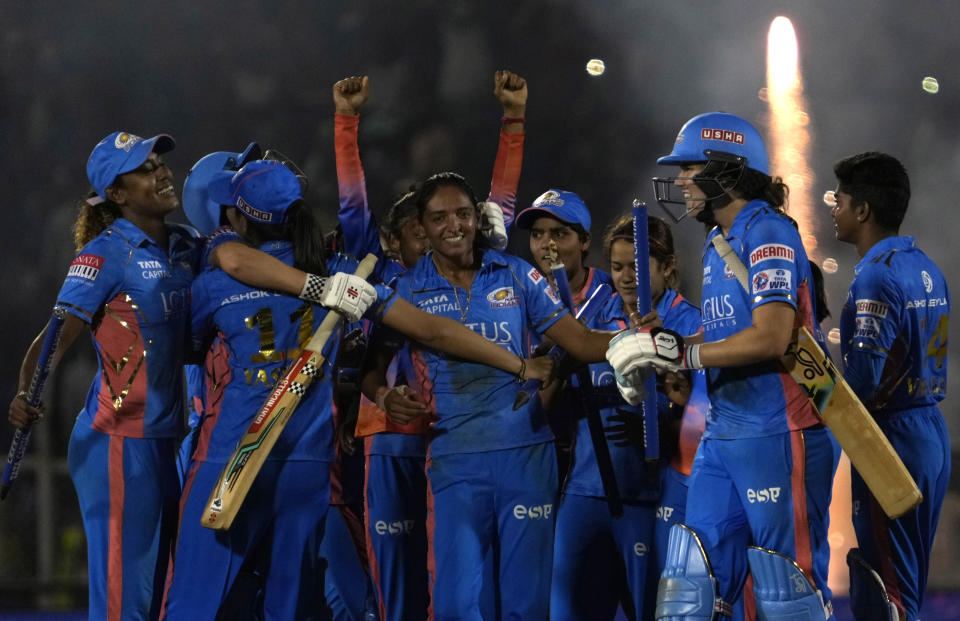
(692, 357)
(522, 372)
(313, 288)
(506, 120)
(382, 398)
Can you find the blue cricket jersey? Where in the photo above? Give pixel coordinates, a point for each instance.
(760, 399)
(263, 332)
(472, 404)
(893, 328)
(628, 461)
(135, 295)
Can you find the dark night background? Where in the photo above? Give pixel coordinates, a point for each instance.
(218, 74)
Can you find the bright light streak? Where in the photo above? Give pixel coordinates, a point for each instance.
(789, 143)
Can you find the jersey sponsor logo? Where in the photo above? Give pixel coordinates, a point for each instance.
(640, 548)
(86, 266)
(496, 331)
(664, 513)
(534, 275)
(727, 272)
(867, 328)
(176, 302)
(603, 378)
(927, 281)
(931, 302)
(723, 135)
(772, 280)
(245, 297)
(717, 311)
(533, 512)
(152, 269)
(439, 304)
(872, 307)
(502, 297)
(771, 251)
(397, 527)
(769, 494)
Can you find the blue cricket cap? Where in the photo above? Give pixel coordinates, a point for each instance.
(119, 153)
(564, 206)
(263, 190)
(201, 210)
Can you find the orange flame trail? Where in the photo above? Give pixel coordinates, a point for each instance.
(789, 137)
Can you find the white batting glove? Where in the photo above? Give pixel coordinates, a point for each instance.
(643, 348)
(347, 294)
(633, 387)
(493, 227)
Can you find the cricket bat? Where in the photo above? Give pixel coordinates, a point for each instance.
(253, 448)
(18, 446)
(641, 252)
(841, 410)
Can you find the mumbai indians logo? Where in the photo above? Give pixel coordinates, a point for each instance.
(550, 197)
(927, 281)
(502, 298)
(126, 141)
(723, 135)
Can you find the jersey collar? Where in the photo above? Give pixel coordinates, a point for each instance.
(897, 242)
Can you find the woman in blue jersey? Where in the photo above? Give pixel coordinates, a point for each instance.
(277, 531)
(130, 284)
(591, 549)
(762, 474)
(491, 471)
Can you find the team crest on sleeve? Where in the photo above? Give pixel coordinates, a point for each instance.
(86, 267)
(552, 294)
(771, 251)
(874, 308)
(502, 297)
(927, 281)
(535, 275)
(772, 280)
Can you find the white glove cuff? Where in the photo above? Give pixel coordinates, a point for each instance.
(313, 288)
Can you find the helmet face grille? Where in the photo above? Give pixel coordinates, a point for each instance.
(720, 174)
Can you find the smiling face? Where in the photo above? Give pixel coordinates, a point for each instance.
(692, 193)
(450, 223)
(147, 191)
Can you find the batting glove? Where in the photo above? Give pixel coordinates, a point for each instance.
(493, 227)
(347, 294)
(659, 348)
(632, 387)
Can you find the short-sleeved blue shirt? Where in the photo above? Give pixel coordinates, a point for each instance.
(758, 399)
(895, 321)
(472, 404)
(136, 297)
